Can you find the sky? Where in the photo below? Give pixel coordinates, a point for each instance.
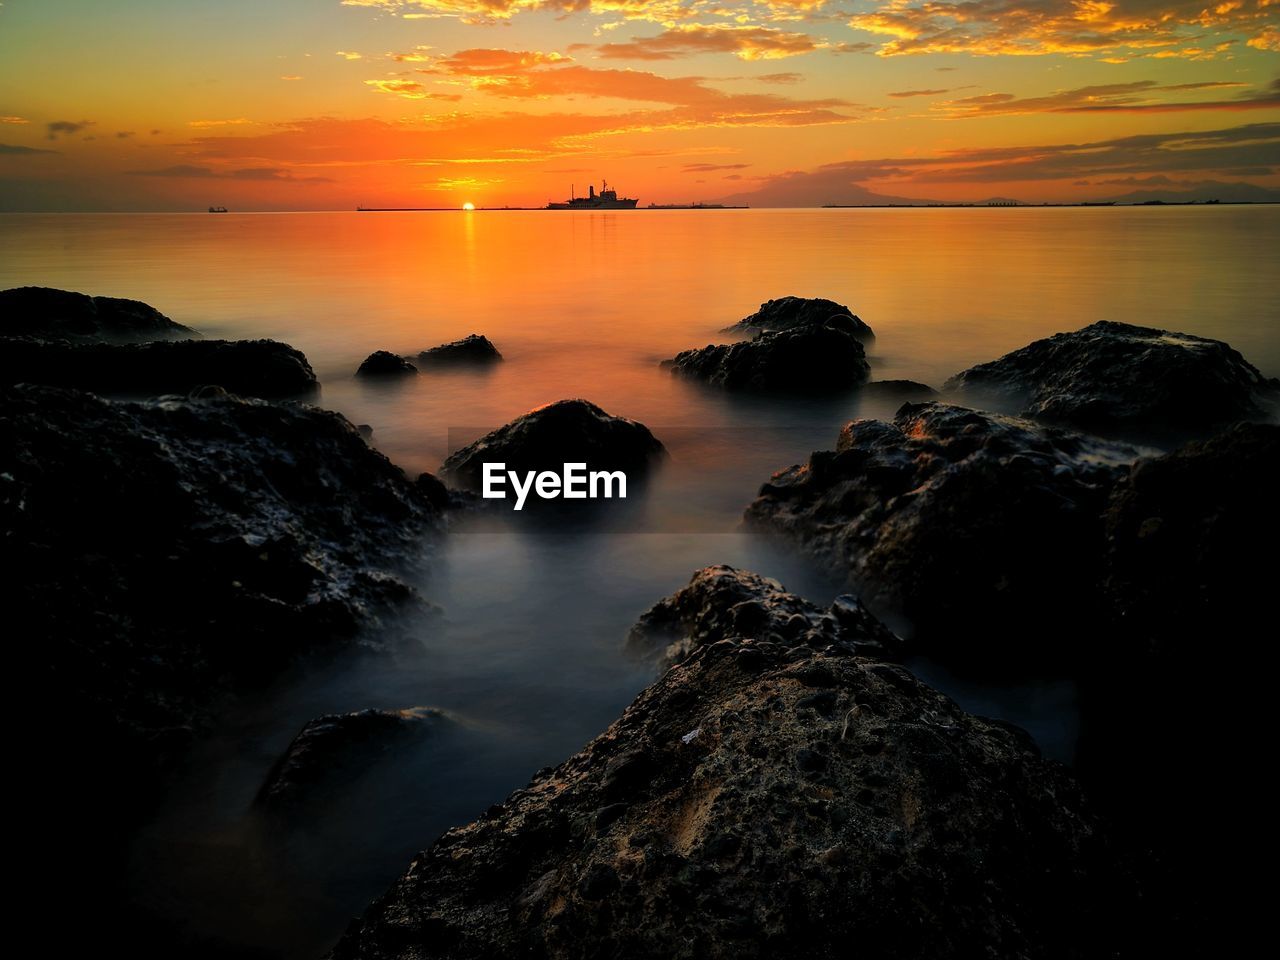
(167, 105)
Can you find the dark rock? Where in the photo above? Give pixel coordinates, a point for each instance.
(337, 747)
(165, 554)
(963, 522)
(1192, 539)
(250, 368)
(365, 430)
(43, 313)
(721, 603)
(774, 833)
(568, 431)
(1123, 379)
(900, 390)
(810, 359)
(788, 313)
(383, 363)
(473, 348)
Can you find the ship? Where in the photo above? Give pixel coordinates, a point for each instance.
(606, 199)
(217, 209)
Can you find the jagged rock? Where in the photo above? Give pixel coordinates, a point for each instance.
(788, 313)
(950, 517)
(164, 554)
(251, 368)
(809, 358)
(1123, 379)
(567, 431)
(336, 747)
(47, 314)
(721, 603)
(384, 363)
(906, 390)
(473, 348)
(769, 801)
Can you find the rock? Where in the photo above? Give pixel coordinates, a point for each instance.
(905, 390)
(812, 358)
(567, 431)
(1189, 535)
(166, 554)
(47, 314)
(1128, 380)
(250, 368)
(365, 430)
(788, 313)
(891, 824)
(383, 363)
(721, 603)
(337, 747)
(474, 348)
(953, 518)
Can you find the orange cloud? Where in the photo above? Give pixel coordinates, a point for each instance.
(410, 90)
(1135, 97)
(744, 42)
(1035, 27)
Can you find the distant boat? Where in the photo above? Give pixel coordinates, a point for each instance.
(696, 206)
(606, 199)
(217, 209)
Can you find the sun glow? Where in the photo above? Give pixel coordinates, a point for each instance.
(468, 205)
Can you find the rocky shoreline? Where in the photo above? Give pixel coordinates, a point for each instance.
(182, 531)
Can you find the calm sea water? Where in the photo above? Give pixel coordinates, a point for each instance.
(527, 660)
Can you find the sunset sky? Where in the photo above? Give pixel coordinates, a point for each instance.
(326, 104)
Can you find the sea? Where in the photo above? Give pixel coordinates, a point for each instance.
(526, 654)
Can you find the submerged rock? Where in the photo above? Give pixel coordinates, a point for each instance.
(166, 553)
(250, 368)
(767, 801)
(788, 313)
(721, 603)
(1125, 379)
(45, 313)
(810, 358)
(567, 431)
(337, 747)
(384, 363)
(966, 523)
(905, 390)
(473, 348)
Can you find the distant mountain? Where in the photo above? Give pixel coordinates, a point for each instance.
(1207, 190)
(802, 190)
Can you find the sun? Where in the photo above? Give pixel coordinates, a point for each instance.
(468, 205)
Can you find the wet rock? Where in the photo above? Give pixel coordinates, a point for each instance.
(474, 348)
(807, 359)
(568, 431)
(964, 523)
(165, 554)
(721, 603)
(774, 832)
(1192, 539)
(250, 368)
(788, 313)
(384, 363)
(337, 747)
(44, 313)
(905, 390)
(1118, 378)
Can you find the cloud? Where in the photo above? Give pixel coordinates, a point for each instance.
(1134, 97)
(743, 41)
(527, 75)
(917, 93)
(291, 76)
(67, 127)
(184, 171)
(779, 77)
(1037, 27)
(349, 55)
(236, 122)
(124, 134)
(410, 90)
(709, 167)
(1212, 152)
(14, 120)
(13, 149)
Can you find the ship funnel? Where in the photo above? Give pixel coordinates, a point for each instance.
(593, 191)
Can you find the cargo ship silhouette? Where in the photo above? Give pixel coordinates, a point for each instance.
(606, 199)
